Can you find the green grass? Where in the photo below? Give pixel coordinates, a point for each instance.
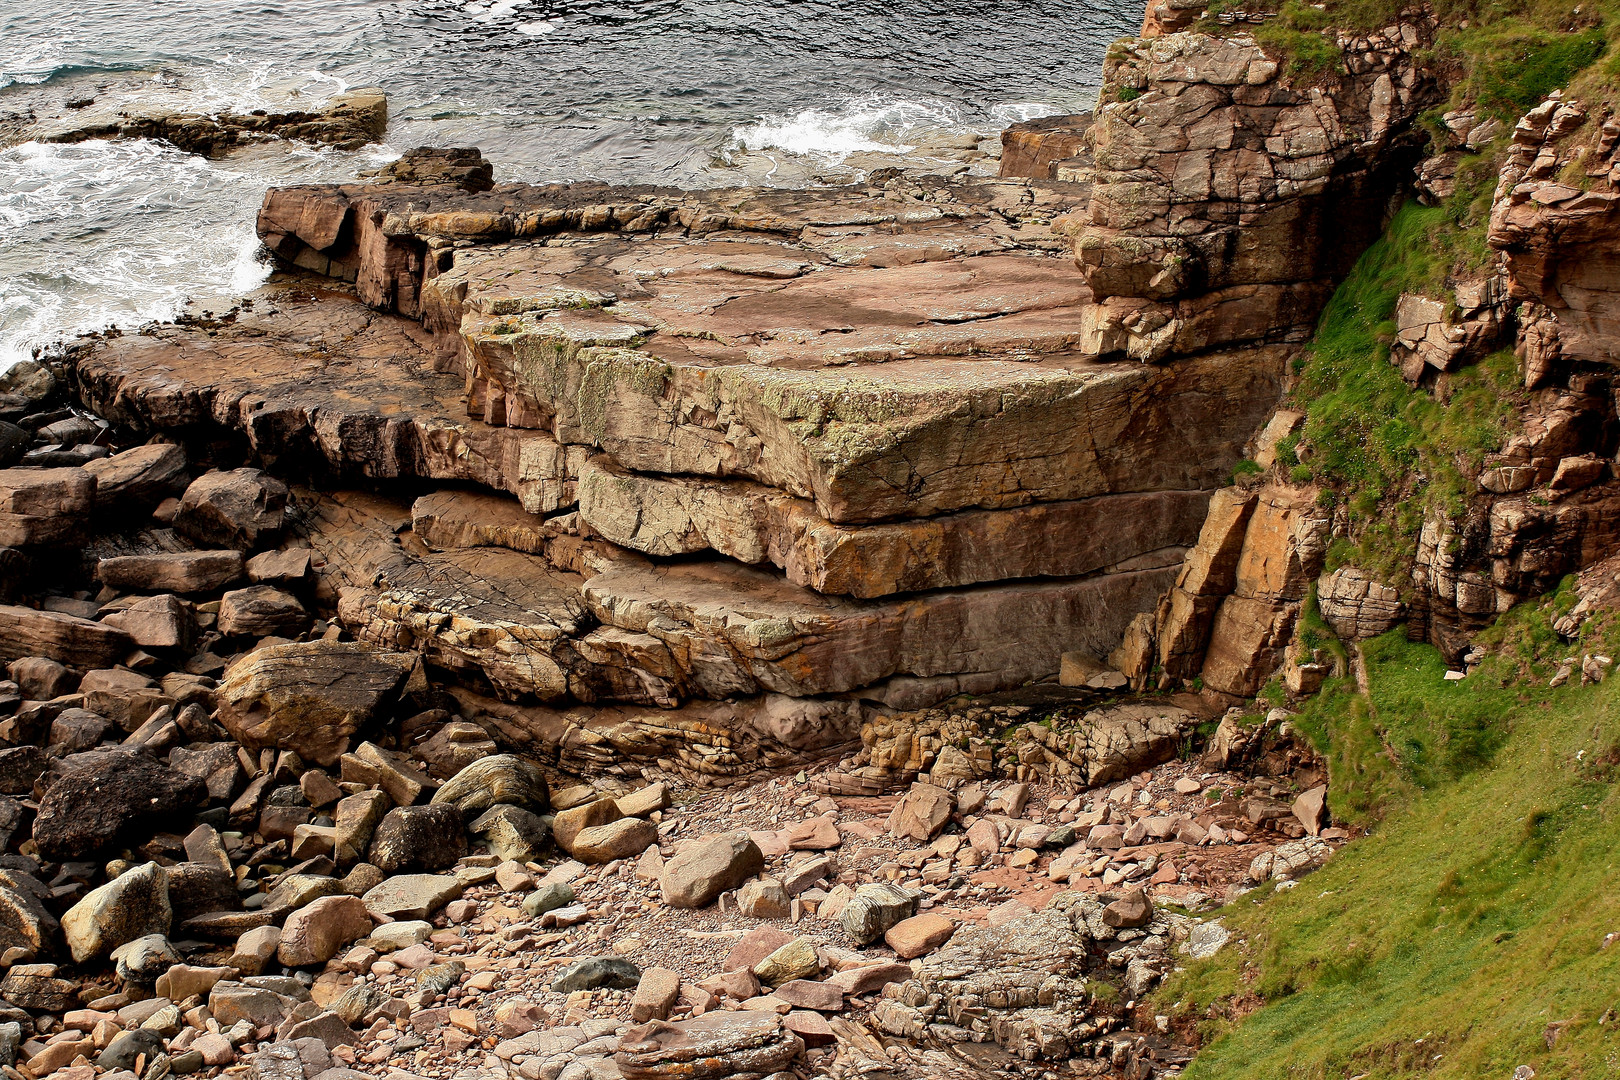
(1387, 450)
(1468, 924)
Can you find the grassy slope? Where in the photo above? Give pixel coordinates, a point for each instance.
(1448, 941)
(1464, 935)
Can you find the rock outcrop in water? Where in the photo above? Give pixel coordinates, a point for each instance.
(153, 107)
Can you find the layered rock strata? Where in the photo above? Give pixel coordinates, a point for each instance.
(1229, 198)
(810, 453)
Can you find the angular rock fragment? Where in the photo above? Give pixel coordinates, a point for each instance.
(130, 906)
(703, 869)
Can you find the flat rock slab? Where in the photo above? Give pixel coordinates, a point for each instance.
(317, 380)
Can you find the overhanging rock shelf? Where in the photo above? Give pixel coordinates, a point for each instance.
(804, 452)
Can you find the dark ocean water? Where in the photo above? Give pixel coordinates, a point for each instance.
(689, 92)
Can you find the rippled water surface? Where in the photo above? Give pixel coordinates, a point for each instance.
(662, 91)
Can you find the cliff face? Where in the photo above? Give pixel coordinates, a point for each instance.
(1228, 201)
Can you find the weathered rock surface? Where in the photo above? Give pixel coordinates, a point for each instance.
(711, 1046)
(65, 639)
(179, 113)
(310, 697)
(1227, 202)
(110, 797)
(131, 906)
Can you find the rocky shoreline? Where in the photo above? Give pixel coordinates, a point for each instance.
(582, 631)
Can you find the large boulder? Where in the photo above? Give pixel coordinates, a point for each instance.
(179, 571)
(314, 934)
(513, 833)
(44, 506)
(702, 869)
(110, 797)
(132, 905)
(310, 696)
(138, 479)
(502, 778)
(424, 838)
(236, 509)
(412, 896)
(260, 611)
(25, 922)
(622, 839)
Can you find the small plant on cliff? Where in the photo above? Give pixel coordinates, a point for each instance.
(1301, 38)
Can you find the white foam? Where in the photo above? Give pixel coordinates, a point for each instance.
(99, 234)
(30, 62)
(1016, 112)
(861, 124)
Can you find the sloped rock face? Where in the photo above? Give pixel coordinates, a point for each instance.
(1228, 202)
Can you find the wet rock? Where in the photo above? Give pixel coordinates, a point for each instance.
(504, 779)
(239, 509)
(513, 833)
(132, 905)
(596, 972)
(113, 796)
(708, 1047)
(174, 572)
(873, 909)
(418, 838)
(310, 697)
(702, 869)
